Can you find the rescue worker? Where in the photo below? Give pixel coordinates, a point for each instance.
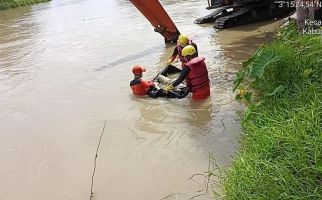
(139, 86)
(182, 41)
(195, 72)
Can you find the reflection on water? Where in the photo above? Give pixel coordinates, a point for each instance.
(16, 37)
(152, 118)
(156, 119)
(62, 76)
(200, 113)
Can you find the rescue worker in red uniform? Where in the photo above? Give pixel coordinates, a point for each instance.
(195, 72)
(139, 86)
(182, 41)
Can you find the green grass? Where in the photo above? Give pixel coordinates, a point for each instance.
(281, 145)
(6, 4)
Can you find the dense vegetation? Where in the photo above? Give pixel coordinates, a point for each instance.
(5, 4)
(281, 153)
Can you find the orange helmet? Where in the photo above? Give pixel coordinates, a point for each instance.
(137, 69)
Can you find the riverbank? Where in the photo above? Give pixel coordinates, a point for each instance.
(6, 4)
(281, 146)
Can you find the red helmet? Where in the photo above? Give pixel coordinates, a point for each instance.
(137, 69)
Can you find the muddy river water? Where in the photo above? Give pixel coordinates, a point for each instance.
(65, 68)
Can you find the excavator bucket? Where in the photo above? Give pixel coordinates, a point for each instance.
(159, 18)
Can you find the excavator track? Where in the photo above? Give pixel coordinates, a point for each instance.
(242, 12)
(212, 16)
(233, 19)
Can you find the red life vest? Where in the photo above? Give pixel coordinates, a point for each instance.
(140, 87)
(179, 48)
(197, 79)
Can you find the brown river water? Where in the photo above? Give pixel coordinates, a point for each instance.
(65, 68)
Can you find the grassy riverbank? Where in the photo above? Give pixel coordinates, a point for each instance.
(6, 4)
(281, 153)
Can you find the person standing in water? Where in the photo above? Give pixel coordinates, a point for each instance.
(195, 72)
(139, 86)
(182, 41)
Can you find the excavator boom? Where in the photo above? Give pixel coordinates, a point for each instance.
(159, 19)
